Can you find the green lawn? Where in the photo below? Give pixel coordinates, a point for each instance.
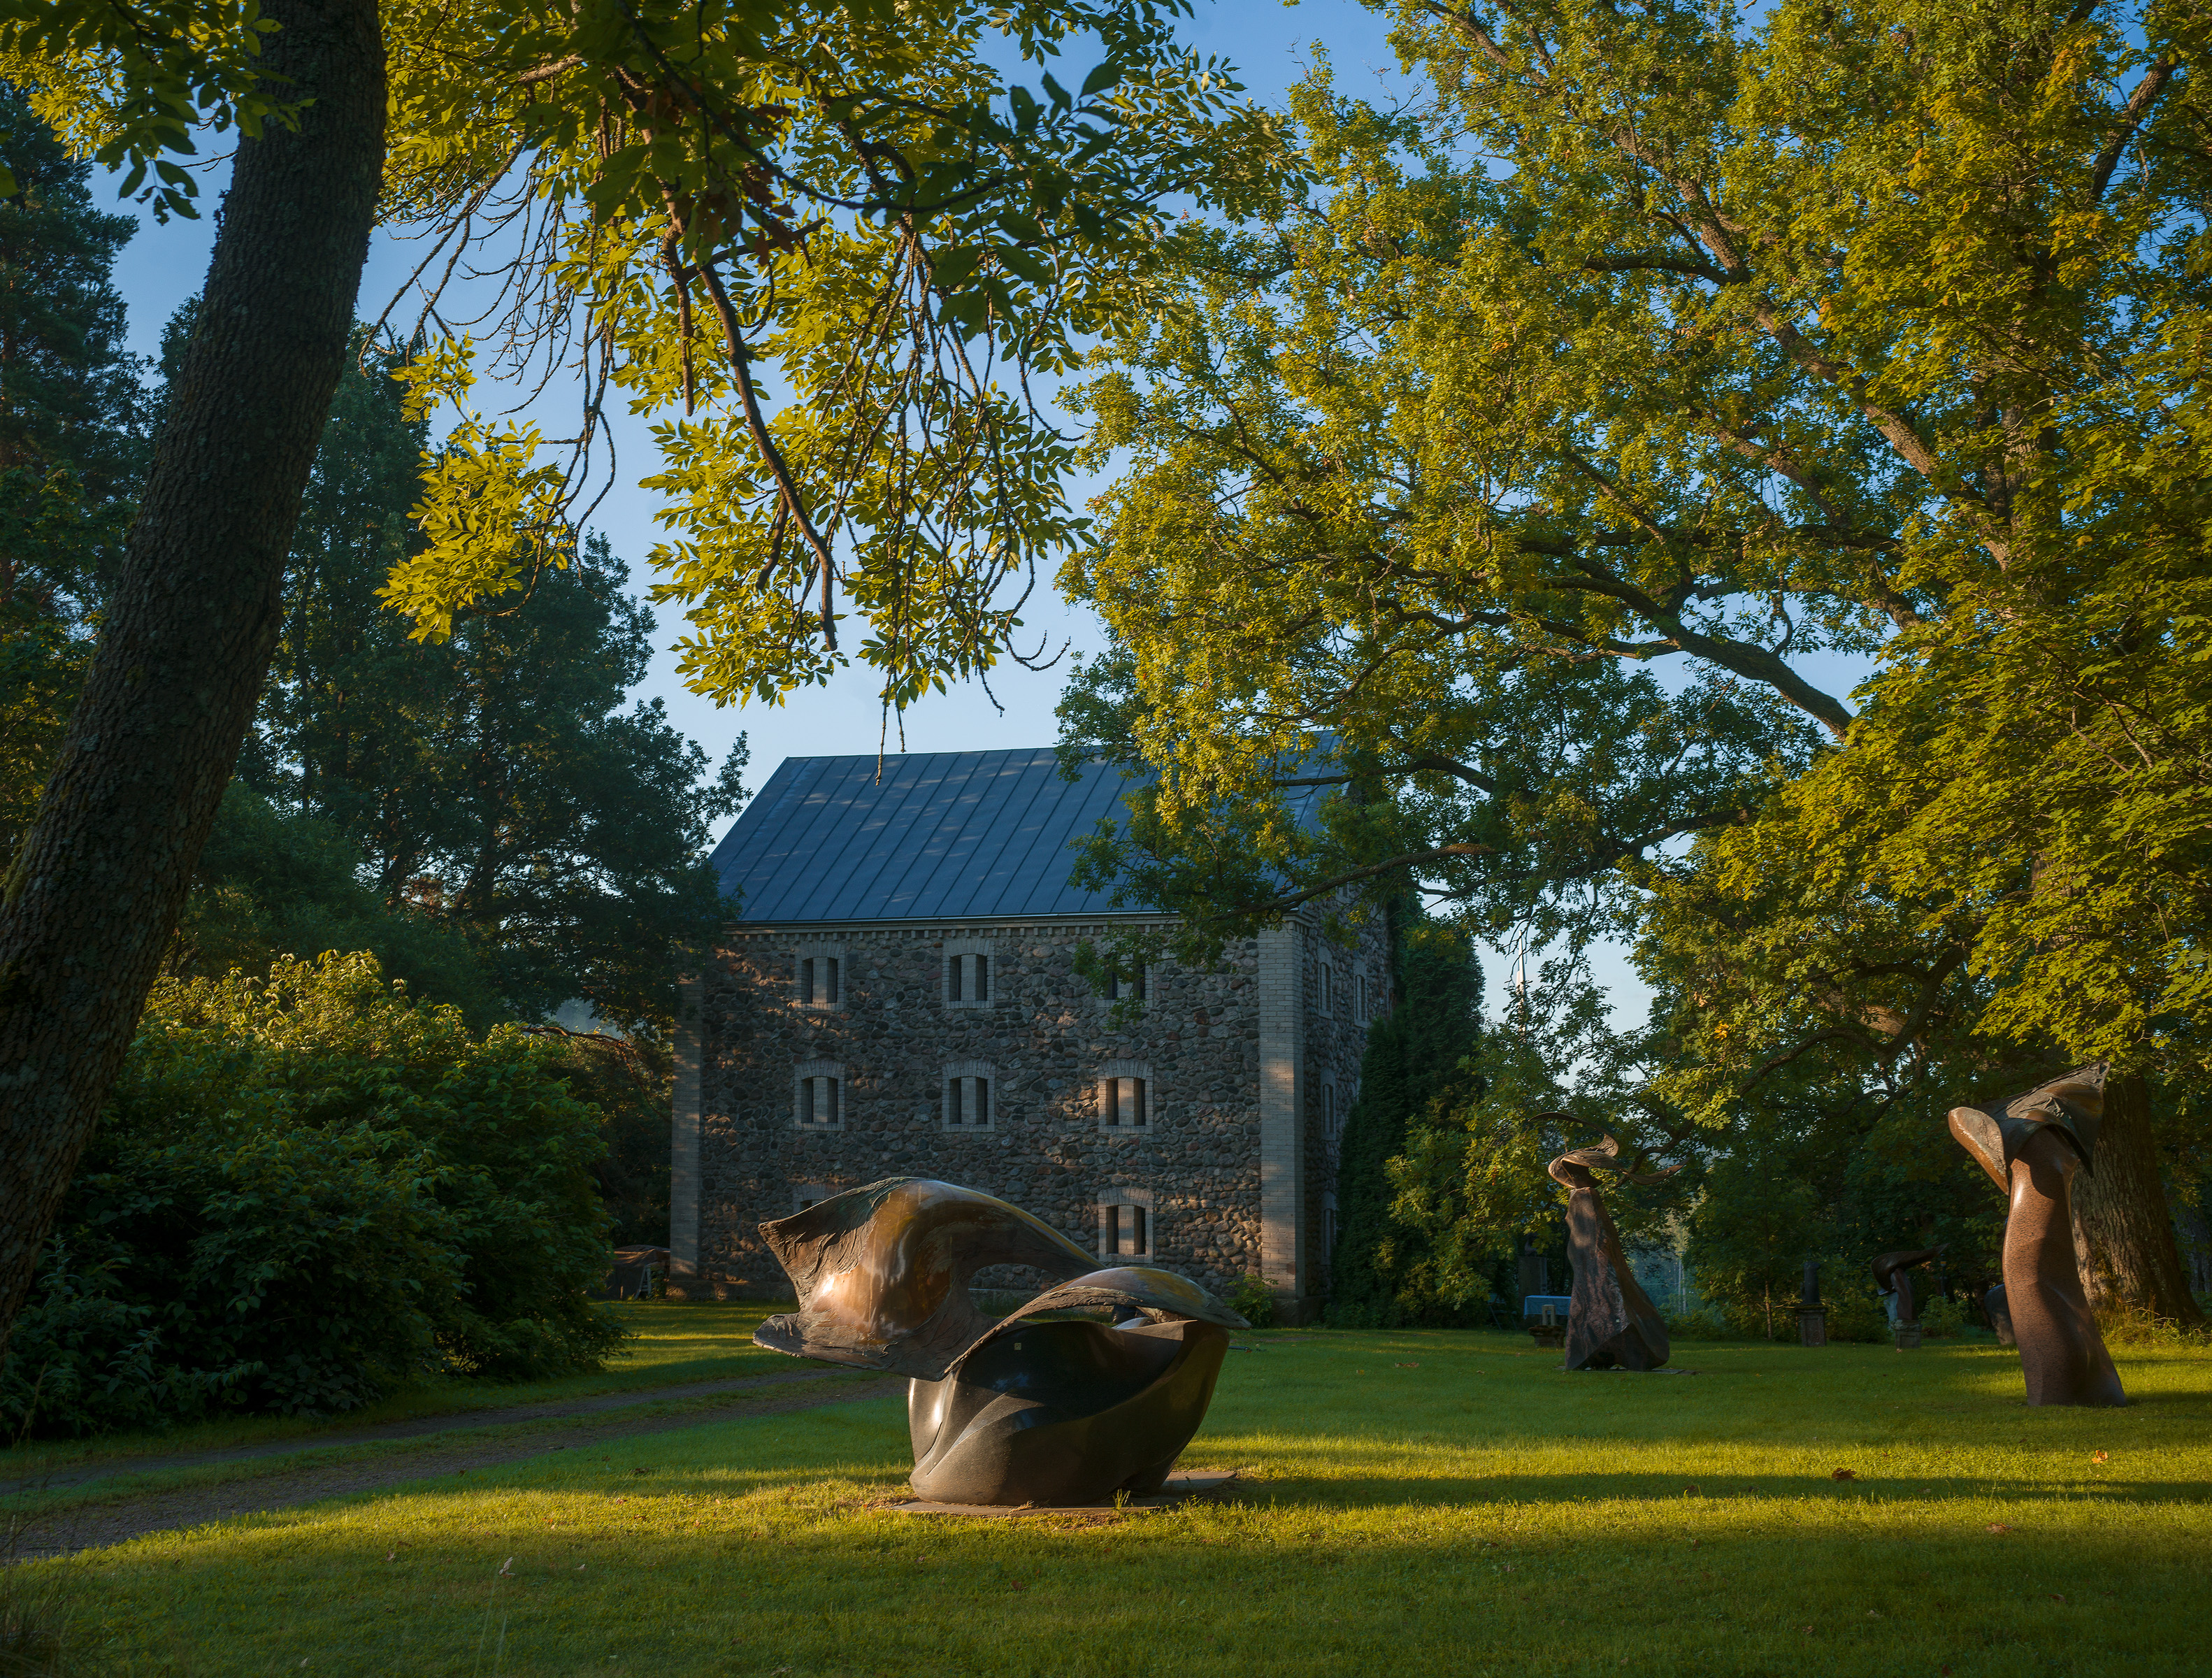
(669, 1345)
(1444, 1502)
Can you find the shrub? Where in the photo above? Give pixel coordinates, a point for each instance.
(304, 1193)
(1251, 1300)
(1941, 1318)
(2124, 1325)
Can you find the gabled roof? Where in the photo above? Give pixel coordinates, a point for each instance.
(944, 835)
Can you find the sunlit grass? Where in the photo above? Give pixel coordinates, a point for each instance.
(1433, 1501)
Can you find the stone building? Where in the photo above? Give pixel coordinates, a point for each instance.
(899, 998)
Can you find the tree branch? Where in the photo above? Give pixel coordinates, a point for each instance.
(2132, 117)
(1411, 859)
(547, 72)
(1695, 270)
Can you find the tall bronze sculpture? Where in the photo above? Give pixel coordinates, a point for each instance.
(1610, 1322)
(1011, 1412)
(2031, 1148)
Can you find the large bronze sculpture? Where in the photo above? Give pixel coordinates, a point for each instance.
(2031, 1148)
(1610, 1322)
(1019, 1411)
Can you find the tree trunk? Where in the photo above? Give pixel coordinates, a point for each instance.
(94, 898)
(2123, 1231)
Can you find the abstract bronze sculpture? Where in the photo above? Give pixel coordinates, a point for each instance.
(1011, 1412)
(2031, 1149)
(1611, 1321)
(1893, 1278)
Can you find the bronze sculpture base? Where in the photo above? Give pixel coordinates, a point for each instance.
(1063, 1412)
(1183, 1486)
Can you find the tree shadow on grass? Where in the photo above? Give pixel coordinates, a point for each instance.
(1353, 1490)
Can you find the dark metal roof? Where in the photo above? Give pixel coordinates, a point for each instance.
(944, 835)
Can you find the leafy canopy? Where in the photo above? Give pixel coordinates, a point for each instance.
(1658, 338)
(676, 202)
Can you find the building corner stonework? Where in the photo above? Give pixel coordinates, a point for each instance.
(684, 1150)
(1281, 983)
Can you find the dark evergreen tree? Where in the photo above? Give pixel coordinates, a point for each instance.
(69, 389)
(1420, 1058)
(498, 784)
(71, 444)
(274, 883)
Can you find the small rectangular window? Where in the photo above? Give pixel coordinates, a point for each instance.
(818, 982)
(968, 978)
(967, 1102)
(1120, 984)
(817, 1101)
(1125, 1232)
(1124, 1101)
(1325, 988)
(1328, 1111)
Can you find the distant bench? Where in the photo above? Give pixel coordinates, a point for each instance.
(1545, 1316)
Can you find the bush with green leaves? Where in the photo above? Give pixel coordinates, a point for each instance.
(1251, 1300)
(1942, 1319)
(307, 1191)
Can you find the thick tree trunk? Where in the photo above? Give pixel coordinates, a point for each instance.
(94, 897)
(2123, 1231)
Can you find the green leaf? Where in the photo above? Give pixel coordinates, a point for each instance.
(951, 269)
(1023, 263)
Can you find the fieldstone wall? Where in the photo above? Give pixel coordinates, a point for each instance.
(1045, 1037)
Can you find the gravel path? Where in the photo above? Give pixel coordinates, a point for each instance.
(69, 1475)
(90, 1525)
